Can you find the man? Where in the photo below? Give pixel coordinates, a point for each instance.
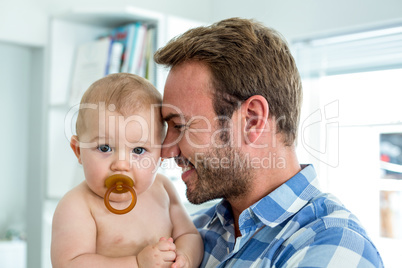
(232, 103)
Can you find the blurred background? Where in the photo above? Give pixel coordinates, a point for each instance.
(348, 52)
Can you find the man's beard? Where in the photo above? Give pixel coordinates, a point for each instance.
(222, 173)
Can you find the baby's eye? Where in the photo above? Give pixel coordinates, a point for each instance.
(104, 148)
(139, 150)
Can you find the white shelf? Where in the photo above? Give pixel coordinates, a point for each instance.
(13, 254)
(110, 17)
(390, 185)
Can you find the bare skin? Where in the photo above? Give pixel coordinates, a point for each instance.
(157, 232)
(98, 238)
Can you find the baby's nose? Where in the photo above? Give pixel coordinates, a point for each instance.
(121, 164)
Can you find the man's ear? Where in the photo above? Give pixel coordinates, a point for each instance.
(255, 111)
(75, 145)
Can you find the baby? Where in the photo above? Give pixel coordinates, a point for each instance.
(119, 131)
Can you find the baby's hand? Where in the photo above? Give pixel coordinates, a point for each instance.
(181, 261)
(162, 254)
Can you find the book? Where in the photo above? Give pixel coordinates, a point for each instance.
(127, 48)
(143, 54)
(91, 61)
(124, 35)
(134, 47)
(149, 64)
(137, 48)
(115, 56)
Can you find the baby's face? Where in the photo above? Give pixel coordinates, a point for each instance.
(115, 144)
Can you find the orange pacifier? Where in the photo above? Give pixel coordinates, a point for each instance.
(119, 184)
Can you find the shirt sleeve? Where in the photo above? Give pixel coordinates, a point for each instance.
(330, 247)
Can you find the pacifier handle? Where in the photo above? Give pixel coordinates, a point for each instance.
(119, 183)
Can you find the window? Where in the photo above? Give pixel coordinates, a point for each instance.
(352, 104)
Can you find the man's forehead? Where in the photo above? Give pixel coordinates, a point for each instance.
(188, 78)
(187, 92)
(175, 105)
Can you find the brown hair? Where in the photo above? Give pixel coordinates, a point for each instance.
(127, 92)
(245, 59)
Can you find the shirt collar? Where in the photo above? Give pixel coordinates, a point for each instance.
(276, 207)
(287, 199)
(223, 213)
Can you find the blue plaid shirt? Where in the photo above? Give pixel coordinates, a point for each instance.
(296, 225)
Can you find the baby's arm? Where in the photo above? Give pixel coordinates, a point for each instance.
(74, 235)
(189, 245)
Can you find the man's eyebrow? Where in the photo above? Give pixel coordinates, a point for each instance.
(172, 116)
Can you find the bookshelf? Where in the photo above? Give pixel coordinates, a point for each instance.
(66, 32)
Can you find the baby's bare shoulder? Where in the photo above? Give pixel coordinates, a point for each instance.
(160, 178)
(78, 197)
(168, 187)
(164, 182)
(79, 191)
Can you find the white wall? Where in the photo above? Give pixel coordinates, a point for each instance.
(26, 21)
(22, 22)
(295, 18)
(15, 73)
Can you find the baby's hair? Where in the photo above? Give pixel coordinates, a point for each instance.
(121, 92)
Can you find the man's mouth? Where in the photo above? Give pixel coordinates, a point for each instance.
(187, 168)
(185, 164)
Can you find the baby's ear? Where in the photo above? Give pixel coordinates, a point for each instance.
(75, 145)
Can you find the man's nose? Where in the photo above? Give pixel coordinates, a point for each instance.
(170, 146)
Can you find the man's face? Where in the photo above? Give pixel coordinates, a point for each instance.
(194, 137)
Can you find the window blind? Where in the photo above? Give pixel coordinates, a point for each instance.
(357, 52)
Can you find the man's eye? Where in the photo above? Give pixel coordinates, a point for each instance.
(180, 127)
(104, 148)
(138, 150)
